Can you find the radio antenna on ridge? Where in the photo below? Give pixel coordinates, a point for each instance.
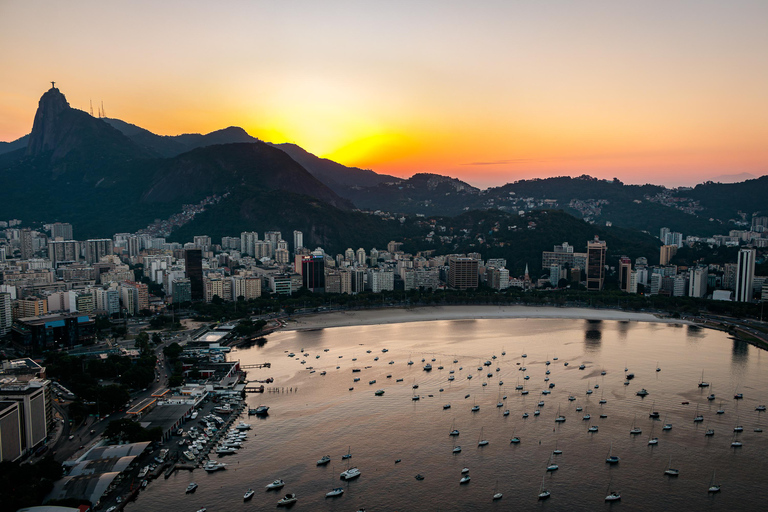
(103, 112)
(91, 107)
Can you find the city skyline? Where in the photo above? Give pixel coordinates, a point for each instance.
(489, 94)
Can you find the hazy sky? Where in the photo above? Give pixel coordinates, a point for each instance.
(667, 91)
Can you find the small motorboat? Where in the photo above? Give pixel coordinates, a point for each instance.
(248, 494)
(277, 484)
(288, 499)
(191, 487)
(465, 479)
(338, 491)
(324, 460)
(419, 477)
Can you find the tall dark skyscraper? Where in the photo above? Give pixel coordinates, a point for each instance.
(313, 273)
(595, 264)
(193, 262)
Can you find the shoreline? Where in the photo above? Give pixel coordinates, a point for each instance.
(382, 316)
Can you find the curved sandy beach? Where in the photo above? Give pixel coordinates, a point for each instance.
(431, 313)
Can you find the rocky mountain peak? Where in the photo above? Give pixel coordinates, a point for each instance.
(43, 136)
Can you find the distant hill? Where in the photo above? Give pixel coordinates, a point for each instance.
(338, 177)
(221, 168)
(172, 145)
(100, 176)
(20, 143)
(732, 178)
(423, 193)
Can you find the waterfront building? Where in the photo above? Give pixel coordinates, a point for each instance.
(596, 250)
(745, 273)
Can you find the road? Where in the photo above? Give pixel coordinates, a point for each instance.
(86, 434)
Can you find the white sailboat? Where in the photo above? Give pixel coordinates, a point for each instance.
(713, 487)
(480, 440)
(543, 493)
(670, 471)
(496, 494)
(550, 465)
(612, 495)
(611, 459)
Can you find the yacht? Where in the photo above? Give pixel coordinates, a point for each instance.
(225, 450)
(612, 459)
(350, 474)
(212, 466)
(613, 496)
(709, 432)
(592, 428)
(191, 487)
(506, 412)
(713, 487)
(475, 408)
(378, 392)
(465, 479)
(454, 432)
(760, 408)
(324, 460)
(248, 494)
(277, 484)
(464, 471)
(447, 406)
(642, 392)
(551, 466)
(560, 418)
(670, 470)
(525, 415)
(243, 426)
(581, 367)
(481, 441)
(543, 493)
(288, 499)
(427, 367)
(338, 491)
(262, 410)
(456, 449)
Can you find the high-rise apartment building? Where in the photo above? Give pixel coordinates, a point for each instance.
(625, 270)
(181, 291)
(313, 273)
(745, 274)
(248, 240)
(193, 267)
(202, 242)
(32, 397)
(298, 240)
(665, 254)
(697, 282)
(596, 250)
(462, 273)
(62, 230)
(96, 249)
(383, 280)
(6, 316)
(26, 243)
(63, 251)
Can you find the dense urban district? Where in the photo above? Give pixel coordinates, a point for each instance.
(112, 344)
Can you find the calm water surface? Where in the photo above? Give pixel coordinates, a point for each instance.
(322, 416)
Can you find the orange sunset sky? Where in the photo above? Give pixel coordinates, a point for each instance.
(672, 92)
